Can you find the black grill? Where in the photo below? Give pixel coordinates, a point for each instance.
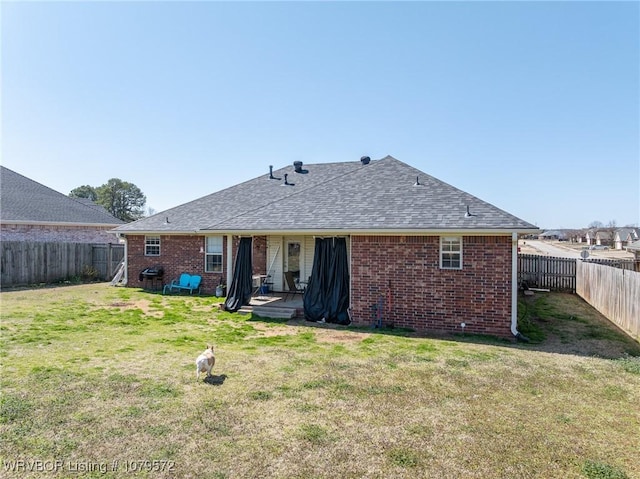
(152, 277)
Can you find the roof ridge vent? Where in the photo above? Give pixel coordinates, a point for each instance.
(297, 165)
(365, 160)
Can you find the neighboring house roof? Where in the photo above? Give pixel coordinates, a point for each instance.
(626, 234)
(335, 197)
(604, 235)
(26, 201)
(635, 246)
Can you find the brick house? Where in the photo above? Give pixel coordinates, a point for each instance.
(30, 211)
(433, 255)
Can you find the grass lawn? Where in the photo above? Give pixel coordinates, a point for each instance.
(100, 382)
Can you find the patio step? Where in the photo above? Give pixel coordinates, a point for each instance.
(274, 312)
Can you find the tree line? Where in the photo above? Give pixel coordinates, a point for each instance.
(122, 199)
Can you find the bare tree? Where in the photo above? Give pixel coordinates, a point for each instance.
(595, 225)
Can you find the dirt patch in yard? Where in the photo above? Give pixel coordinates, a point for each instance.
(330, 334)
(141, 304)
(324, 333)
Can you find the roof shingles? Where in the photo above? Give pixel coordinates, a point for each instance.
(25, 201)
(336, 197)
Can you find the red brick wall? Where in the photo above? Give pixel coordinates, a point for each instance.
(181, 254)
(258, 253)
(419, 295)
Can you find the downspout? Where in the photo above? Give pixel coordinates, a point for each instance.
(126, 261)
(514, 289)
(125, 275)
(229, 260)
(350, 308)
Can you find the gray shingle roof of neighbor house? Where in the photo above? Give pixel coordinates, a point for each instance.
(381, 196)
(26, 201)
(624, 233)
(635, 246)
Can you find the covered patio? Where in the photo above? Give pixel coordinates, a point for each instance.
(324, 297)
(282, 305)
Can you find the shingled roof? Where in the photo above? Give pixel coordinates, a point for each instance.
(346, 197)
(26, 201)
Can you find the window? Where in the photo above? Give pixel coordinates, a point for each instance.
(152, 245)
(451, 252)
(213, 254)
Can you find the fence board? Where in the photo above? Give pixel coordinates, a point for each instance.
(24, 263)
(615, 292)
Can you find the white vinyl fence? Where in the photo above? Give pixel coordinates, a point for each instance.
(612, 291)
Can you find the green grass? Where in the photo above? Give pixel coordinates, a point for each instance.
(569, 320)
(96, 374)
(599, 470)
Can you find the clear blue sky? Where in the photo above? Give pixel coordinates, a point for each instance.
(531, 106)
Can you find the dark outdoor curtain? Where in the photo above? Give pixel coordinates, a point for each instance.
(239, 292)
(327, 294)
(314, 297)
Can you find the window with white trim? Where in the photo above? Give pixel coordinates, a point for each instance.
(213, 254)
(152, 245)
(451, 252)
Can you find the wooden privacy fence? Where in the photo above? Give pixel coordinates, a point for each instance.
(25, 263)
(612, 291)
(559, 274)
(106, 258)
(556, 274)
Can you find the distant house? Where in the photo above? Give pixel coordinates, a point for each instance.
(553, 235)
(604, 237)
(30, 211)
(624, 236)
(599, 237)
(577, 236)
(634, 247)
(368, 238)
(590, 236)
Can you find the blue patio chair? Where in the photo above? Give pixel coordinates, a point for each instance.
(186, 282)
(194, 284)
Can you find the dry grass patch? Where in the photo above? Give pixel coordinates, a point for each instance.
(88, 380)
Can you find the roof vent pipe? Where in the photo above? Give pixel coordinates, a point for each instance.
(365, 160)
(298, 166)
(469, 214)
(417, 183)
(271, 177)
(285, 179)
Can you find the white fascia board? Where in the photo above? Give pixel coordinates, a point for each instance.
(157, 233)
(371, 232)
(334, 232)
